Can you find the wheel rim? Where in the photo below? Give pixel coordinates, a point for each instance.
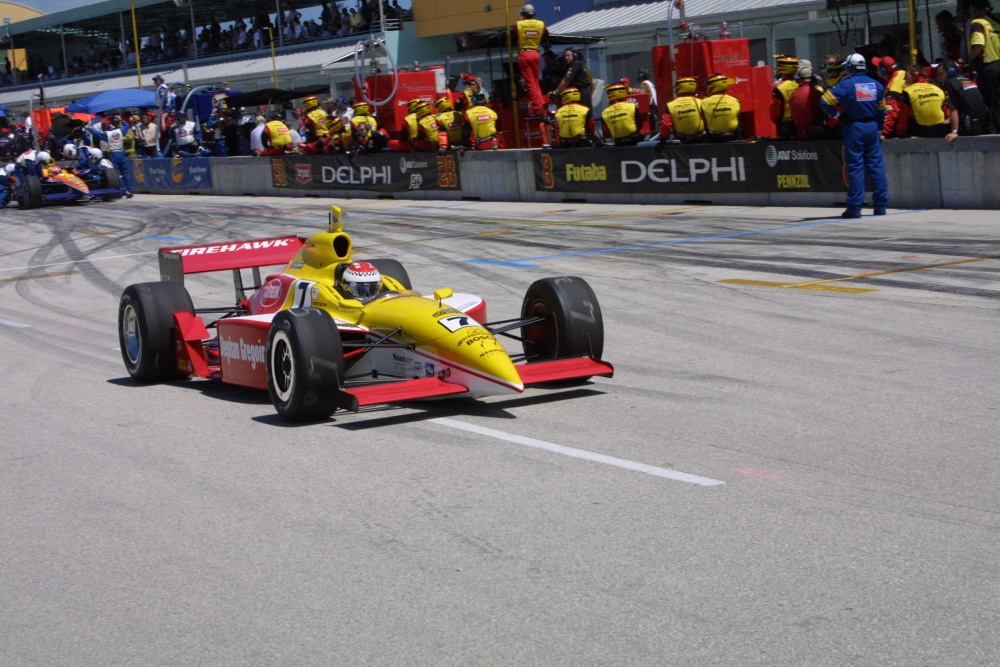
(130, 335)
(282, 362)
(543, 335)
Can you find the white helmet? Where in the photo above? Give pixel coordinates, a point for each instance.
(43, 156)
(69, 151)
(361, 279)
(95, 154)
(9, 169)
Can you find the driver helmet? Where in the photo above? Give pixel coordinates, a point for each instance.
(55, 169)
(95, 154)
(361, 279)
(616, 92)
(69, 151)
(570, 95)
(43, 156)
(310, 103)
(362, 109)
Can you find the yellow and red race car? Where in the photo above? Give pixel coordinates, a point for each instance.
(317, 347)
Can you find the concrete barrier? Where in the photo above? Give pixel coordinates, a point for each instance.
(923, 173)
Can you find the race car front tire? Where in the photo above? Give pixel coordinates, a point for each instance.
(32, 191)
(146, 329)
(393, 269)
(305, 364)
(572, 324)
(110, 180)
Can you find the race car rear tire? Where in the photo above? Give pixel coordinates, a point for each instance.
(572, 324)
(146, 329)
(32, 191)
(110, 180)
(305, 364)
(393, 269)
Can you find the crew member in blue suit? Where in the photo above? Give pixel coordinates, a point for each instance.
(858, 102)
(113, 133)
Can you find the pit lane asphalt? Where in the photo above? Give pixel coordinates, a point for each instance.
(853, 433)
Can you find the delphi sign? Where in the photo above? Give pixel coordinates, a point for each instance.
(382, 172)
(786, 166)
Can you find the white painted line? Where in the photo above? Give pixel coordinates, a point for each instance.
(16, 325)
(580, 453)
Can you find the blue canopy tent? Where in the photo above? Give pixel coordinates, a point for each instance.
(4, 111)
(114, 99)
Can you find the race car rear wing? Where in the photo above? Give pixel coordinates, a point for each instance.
(175, 263)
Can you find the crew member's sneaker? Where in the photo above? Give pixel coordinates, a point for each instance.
(880, 211)
(128, 195)
(851, 214)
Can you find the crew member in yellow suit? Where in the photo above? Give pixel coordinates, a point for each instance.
(531, 34)
(682, 119)
(720, 110)
(621, 116)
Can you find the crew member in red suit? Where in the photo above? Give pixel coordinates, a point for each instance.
(531, 33)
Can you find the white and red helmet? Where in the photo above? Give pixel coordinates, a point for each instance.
(361, 279)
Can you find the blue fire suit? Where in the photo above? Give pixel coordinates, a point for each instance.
(116, 154)
(858, 102)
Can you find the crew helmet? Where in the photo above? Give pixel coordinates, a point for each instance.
(411, 106)
(362, 109)
(686, 85)
(361, 280)
(527, 10)
(570, 95)
(43, 156)
(96, 155)
(10, 169)
(443, 104)
(478, 98)
(335, 124)
(310, 103)
(616, 92)
(716, 83)
(69, 151)
(423, 109)
(855, 63)
(787, 65)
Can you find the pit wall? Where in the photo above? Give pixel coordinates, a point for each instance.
(923, 173)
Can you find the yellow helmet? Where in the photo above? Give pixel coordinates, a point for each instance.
(423, 109)
(570, 95)
(716, 83)
(362, 109)
(443, 104)
(834, 73)
(616, 92)
(310, 103)
(335, 124)
(787, 65)
(411, 106)
(686, 85)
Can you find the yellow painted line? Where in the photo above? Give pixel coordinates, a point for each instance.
(93, 232)
(40, 275)
(824, 288)
(923, 267)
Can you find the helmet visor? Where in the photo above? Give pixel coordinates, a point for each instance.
(363, 290)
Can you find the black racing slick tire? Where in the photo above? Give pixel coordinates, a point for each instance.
(32, 191)
(110, 180)
(305, 364)
(146, 329)
(393, 269)
(571, 324)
